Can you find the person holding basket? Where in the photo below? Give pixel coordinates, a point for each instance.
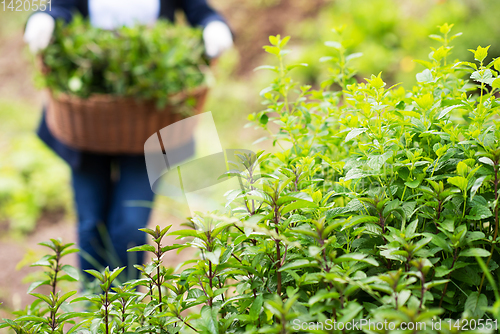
(104, 185)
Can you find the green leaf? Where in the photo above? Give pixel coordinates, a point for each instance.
(459, 181)
(425, 76)
(354, 174)
(496, 83)
(446, 110)
(209, 317)
(76, 327)
(43, 262)
(272, 50)
(69, 251)
(96, 274)
(63, 298)
(437, 38)
(362, 219)
(256, 308)
(435, 283)
(214, 256)
(376, 162)
(188, 233)
(487, 161)
(413, 184)
(274, 40)
(442, 271)
(439, 241)
(301, 263)
(35, 285)
(267, 67)
(354, 133)
(483, 76)
(475, 252)
(33, 318)
(264, 119)
(143, 248)
(8, 323)
(71, 315)
(353, 56)
(476, 304)
(71, 271)
(300, 204)
(226, 255)
(473, 236)
(357, 257)
(477, 184)
(148, 231)
(333, 44)
(479, 212)
(115, 273)
(42, 297)
(480, 53)
(350, 312)
(322, 295)
(472, 65)
(284, 41)
(462, 169)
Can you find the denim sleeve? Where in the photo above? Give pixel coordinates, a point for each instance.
(199, 12)
(62, 9)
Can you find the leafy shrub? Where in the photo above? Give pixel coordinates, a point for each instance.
(28, 188)
(392, 37)
(381, 203)
(144, 62)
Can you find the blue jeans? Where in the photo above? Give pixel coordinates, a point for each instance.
(113, 200)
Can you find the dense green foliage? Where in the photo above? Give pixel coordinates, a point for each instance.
(140, 61)
(389, 41)
(393, 37)
(28, 188)
(381, 203)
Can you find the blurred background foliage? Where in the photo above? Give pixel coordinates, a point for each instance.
(34, 183)
(391, 33)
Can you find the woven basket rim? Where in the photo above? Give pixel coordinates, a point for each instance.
(110, 98)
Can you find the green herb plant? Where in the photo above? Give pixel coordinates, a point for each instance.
(49, 313)
(142, 62)
(380, 203)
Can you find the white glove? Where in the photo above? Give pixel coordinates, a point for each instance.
(39, 31)
(217, 38)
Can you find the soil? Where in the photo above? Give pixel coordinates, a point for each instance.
(13, 287)
(254, 21)
(16, 72)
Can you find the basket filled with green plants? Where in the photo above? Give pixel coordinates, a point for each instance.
(112, 89)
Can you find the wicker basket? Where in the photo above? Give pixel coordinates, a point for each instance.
(114, 125)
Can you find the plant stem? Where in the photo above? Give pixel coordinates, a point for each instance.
(422, 291)
(278, 265)
(187, 324)
(495, 234)
(465, 203)
(106, 304)
(54, 284)
(278, 251)
(210, 273)
(124, 302)
(455, 256)
(56, 271)
(158, 278)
